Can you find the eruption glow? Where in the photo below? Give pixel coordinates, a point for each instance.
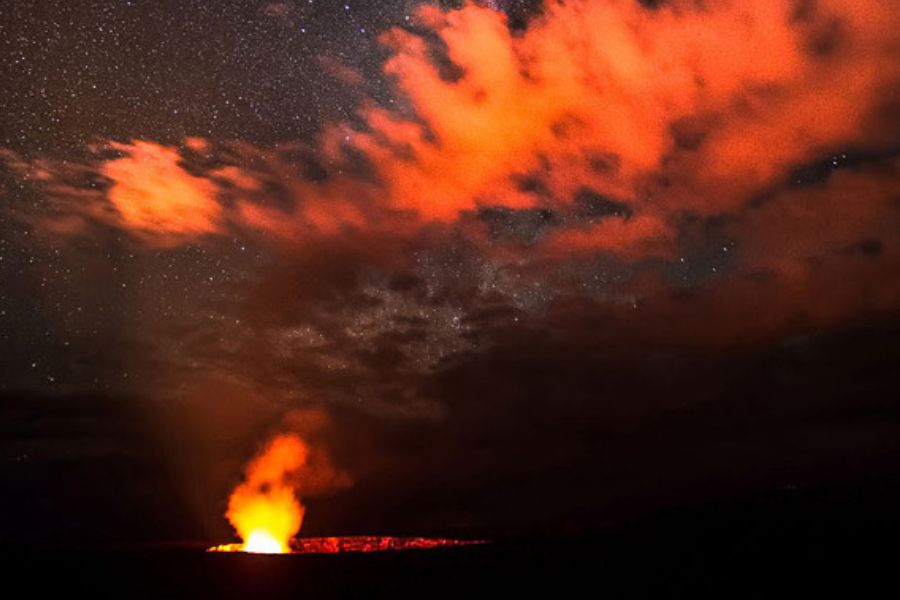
(266, 513)
(264, 510)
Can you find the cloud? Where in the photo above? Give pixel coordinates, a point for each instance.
(684, 107)
(157, 198)
(607, 150)
(142, 188)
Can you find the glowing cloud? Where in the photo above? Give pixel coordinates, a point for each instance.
(157, 198)
(687, 107)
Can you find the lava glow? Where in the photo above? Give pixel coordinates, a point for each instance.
(359, 543)
(267, 514)
(264, 510)
(262, 542)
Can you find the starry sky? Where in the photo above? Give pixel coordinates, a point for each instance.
(543, 266)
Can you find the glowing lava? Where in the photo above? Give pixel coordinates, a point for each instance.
(359, 543)
(262, 542)
(264, 510)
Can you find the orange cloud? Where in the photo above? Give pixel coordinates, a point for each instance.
(637, 237)
(687, 106)
(853, 217)
(808, 258)
(157, 198)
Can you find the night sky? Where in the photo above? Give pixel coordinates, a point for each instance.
(515, 266)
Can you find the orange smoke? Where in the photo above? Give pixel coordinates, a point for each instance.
(264, 510)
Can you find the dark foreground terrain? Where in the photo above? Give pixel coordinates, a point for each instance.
(791, 544)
